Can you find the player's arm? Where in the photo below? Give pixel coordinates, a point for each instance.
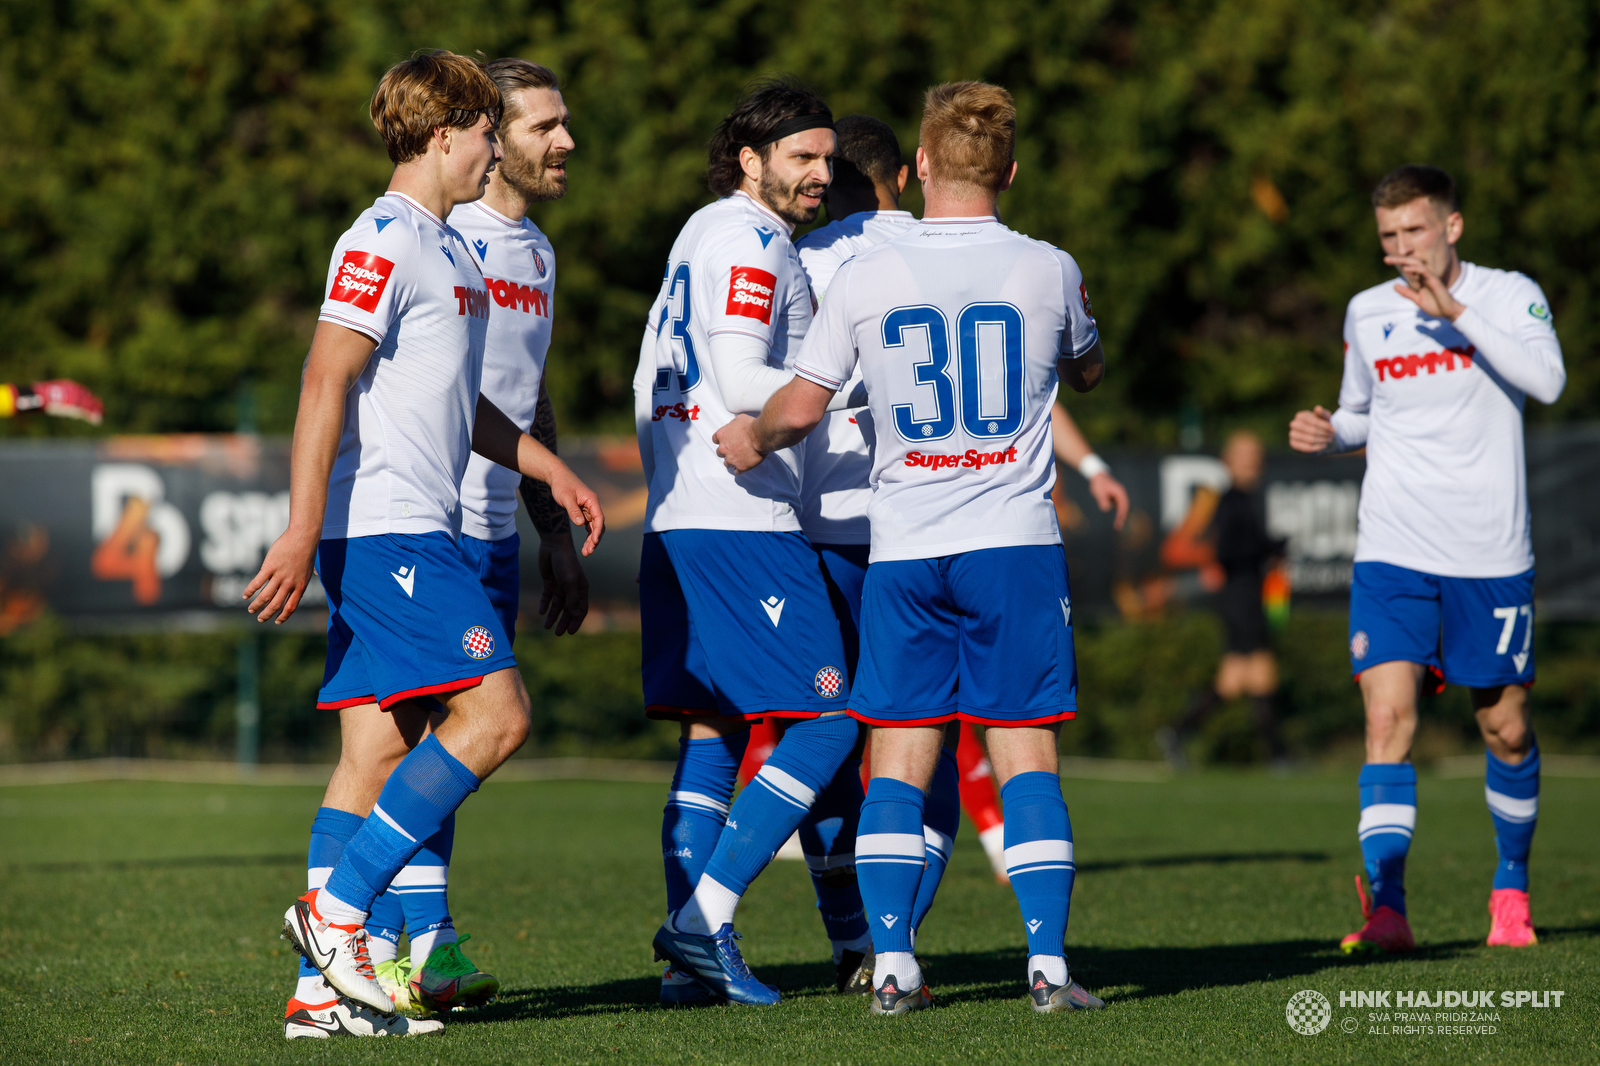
(1073, 449)
(791, 414)
(564, 592)
(1323, 432)
(1083, 372)
(497, 439)
(337, 358)
(59, 399)
(1529, 357)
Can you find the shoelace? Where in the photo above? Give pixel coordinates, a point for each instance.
(453, 963)
(1366, 904)
(358, 948)
(731, 956)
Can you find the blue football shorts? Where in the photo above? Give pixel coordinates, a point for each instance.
(495, 563)
(1474, 631)
(845, 568)
(737, 623)
(407, 617)
(984, 636)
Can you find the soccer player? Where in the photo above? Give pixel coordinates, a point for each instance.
(735, 614)
(961, 328)
(390, 409)
(1436, 371)
(518, 265)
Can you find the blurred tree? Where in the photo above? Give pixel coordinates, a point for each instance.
(177, 171)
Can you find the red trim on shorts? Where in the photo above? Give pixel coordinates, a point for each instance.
(668, 713)
(941, 719)
(430, 690)
(339, 705)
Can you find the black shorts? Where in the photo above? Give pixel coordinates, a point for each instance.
(1239, 604)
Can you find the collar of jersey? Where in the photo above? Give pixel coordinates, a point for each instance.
(497, 216)
(954, 221)
(759, 206)
(879, 213)
(434, 218)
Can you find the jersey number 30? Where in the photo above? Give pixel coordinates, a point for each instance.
(976, 348)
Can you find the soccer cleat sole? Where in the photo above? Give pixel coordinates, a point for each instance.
(477, 994)
(1068, 997)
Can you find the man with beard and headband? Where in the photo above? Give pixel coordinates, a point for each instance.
(737, 624)
(518, 265)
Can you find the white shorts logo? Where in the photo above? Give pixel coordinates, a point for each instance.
(1308, 1012)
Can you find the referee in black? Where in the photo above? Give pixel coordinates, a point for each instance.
(1244, 549)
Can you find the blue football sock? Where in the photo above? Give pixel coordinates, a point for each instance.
(941, 817)
(422, 889)
(697, 809)
(766, 813)
(828, 838)
(1388, 817)
(1039, 857)
(385, 922)
(1513, 794)
(331, 830)
(424, 790)
(891, 853)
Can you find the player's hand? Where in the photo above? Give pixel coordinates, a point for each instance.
(1311, 431)
(736, 444)
(564, 599)
(580, 503)
(1430, 292)
(1108, 492)
(63, 399)
(284, 576)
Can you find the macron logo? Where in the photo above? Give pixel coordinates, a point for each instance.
(888, 920)
(774, 607)
(407, 578)
(1033, 926)
(1066, 613)
(766, 236)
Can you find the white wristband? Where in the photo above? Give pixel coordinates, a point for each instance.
(1091, 466)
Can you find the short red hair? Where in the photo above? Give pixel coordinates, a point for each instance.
(969, 131)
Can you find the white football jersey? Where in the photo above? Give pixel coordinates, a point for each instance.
(402, 277)
(1445, 490)
(732, 270)
(519, 267)
(836, 459)
(957, 325)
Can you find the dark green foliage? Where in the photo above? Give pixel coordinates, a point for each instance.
(176, 174)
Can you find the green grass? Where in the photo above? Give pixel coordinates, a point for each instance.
(139, 922)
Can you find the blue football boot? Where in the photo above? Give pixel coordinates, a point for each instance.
(714, 961)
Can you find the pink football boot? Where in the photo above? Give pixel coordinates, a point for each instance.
(1386, 929)
(1513, 928)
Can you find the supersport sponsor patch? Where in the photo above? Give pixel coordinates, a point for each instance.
(971, 459)
(676, 411)
(750, 291)
(361, 280)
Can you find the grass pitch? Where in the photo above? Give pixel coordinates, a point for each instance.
(139, 924)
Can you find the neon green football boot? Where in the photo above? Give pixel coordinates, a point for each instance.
(394, 977)
(449, 980)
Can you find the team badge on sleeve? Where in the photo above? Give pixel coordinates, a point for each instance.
(750, 292)
(830, 682)
(478, 642)
(361, 280)
(1083, 294)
